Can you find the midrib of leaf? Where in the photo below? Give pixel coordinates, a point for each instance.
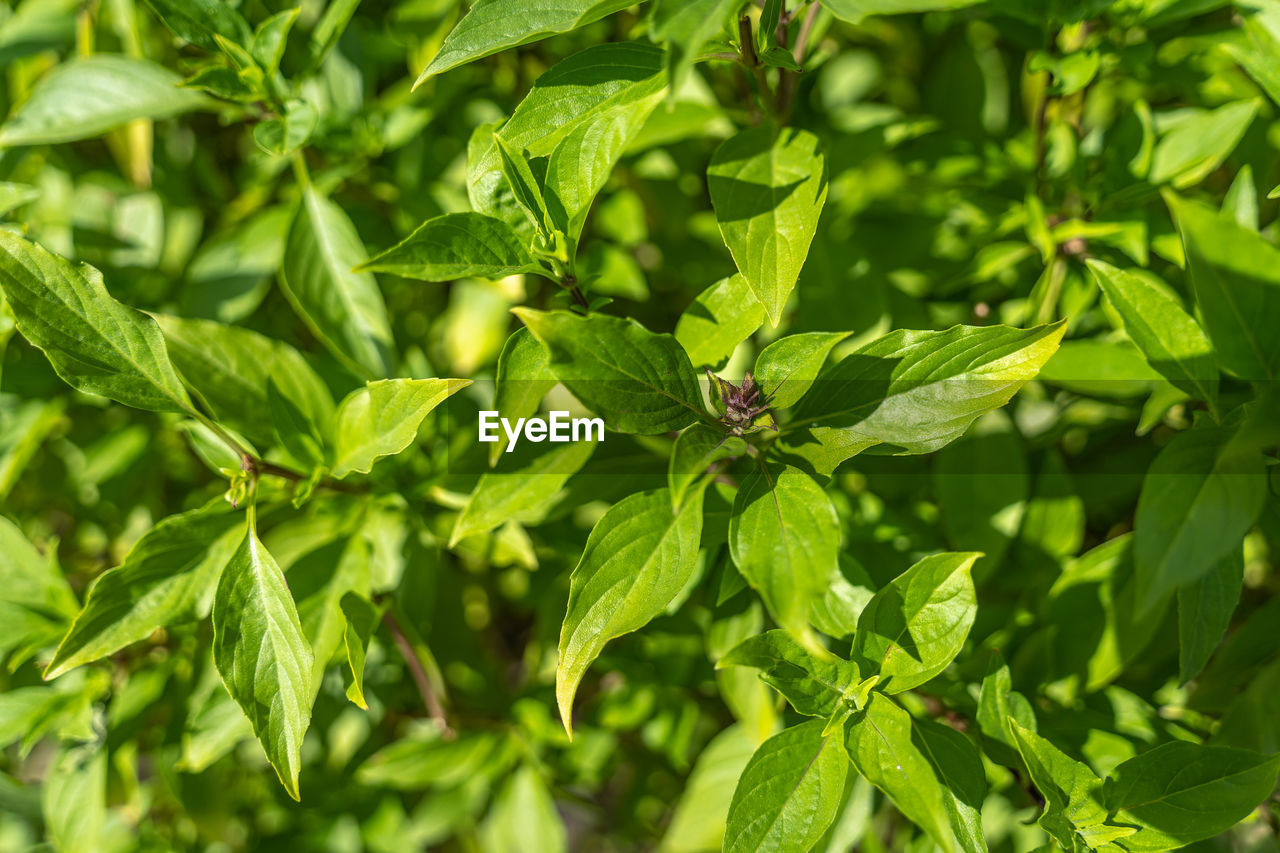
(276, 636)
(324, 246)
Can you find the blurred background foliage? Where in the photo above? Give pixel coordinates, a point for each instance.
(976, 158)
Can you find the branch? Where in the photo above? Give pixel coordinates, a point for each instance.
(420, 677)
(787, 84)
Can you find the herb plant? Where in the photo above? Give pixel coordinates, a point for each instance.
(931, 347)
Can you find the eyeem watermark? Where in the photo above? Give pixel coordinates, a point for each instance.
(558, 428)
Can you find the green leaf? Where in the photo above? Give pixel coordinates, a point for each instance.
(167, 578)
(982, 484)
(456, 245)
(1235, 274)
(343, 308)
(1180, 793)
(789, 792)
(697, 449)
(583, 159)
(232, 369)
(87, 96)
(1240, 204)
(262, 654)
(36, 603)
(698, 822)
(787, 368)
(784, 537)
(524, 817)
(520, 488)
(332, 24)
(1073, 812)
(197, 21)
(882, 744)
(14, 195)
(999, 703)
(918, 391)
(1199, 142)
(494, 25)
(815, 686)
(299, 433)
(721, 317)
(836, 612)
(382, 419)
(1199, 498)
(523, 379)
(1204, 613)
(683, 28)
(768, 194)
(74, 799)
(638, 557)
(271, 37)
(957, 764)
(914, 627)
(96, 344)
(289, 132)
(822, 449)
(638, 381)
(854, 11)
(362, 619)
(575, 92)
(525, 187)
(1171, 340)
(1096, 595)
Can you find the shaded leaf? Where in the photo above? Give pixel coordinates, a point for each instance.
(767, 195)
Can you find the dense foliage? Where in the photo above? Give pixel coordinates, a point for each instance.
(934, 343)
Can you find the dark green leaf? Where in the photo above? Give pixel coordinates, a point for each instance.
(456, 245)
(815, 686)
(1170, 339)
(638, 381)
(1180, 793)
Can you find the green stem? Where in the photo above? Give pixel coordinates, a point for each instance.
(300, 172)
